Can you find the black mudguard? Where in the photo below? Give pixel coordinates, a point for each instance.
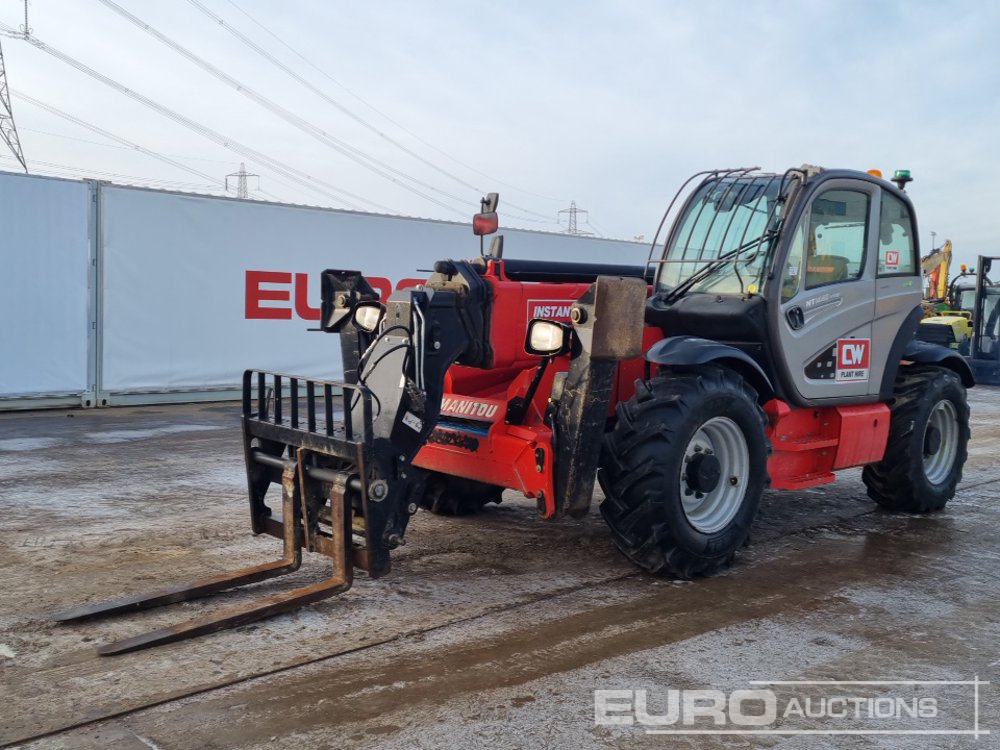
(679, 351)
(924, 353)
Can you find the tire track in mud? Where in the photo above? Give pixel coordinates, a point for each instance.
(6, 743)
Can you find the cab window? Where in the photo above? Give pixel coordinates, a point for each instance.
(896, 252)
(793, 266)
(836, 237)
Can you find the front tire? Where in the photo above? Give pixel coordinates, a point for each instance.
(928, 443)
(683, 471)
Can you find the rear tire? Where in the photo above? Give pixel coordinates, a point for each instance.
(447, 495)
(928, 441)
(683, 471)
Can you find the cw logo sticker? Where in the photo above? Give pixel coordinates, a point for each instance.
(853, 360)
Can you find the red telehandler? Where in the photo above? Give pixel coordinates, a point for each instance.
(768, 342)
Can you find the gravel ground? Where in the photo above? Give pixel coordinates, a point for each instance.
(492, 631)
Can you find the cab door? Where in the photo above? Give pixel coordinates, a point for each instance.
(827, 296)
(897, 280)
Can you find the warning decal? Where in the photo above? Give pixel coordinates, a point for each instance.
(853, 360)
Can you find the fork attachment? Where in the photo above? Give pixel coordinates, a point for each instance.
(348, 485)
(318, 507)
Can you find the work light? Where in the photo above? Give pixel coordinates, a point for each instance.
(368, 316)
(547, 337)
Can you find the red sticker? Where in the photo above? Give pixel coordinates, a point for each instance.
(892, 258)
(853, 359)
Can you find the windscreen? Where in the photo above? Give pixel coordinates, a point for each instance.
(723, 234)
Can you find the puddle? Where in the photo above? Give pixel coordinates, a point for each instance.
(28, 444)
(124, 436)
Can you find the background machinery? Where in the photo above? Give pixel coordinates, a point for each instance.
(768, 342)
(947, 301)
(984, 356)
(936, 266)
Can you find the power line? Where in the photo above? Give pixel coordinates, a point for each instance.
(302, 124)
(134, 147)
(374, 109)
(111, 136)
(102, 144)
(296, 175)
(87, 172)
(301, 178)
(333, 102)
(323, 95)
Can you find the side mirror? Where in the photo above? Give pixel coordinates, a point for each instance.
(486, 221)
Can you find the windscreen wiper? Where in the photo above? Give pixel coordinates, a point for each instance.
(681, 289)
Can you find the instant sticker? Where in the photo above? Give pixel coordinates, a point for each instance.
(550, 309)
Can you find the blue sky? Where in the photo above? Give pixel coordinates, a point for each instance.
(610, 104)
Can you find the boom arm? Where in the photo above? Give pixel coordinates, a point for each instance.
(936, 268)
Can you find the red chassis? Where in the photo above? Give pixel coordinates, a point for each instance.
(473, 438)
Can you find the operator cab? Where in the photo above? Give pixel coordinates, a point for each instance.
(814, 274)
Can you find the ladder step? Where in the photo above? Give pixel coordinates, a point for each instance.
(802, 481)
(806, 444)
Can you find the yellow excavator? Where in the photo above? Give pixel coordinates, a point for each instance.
(945, 321)
(936, 266)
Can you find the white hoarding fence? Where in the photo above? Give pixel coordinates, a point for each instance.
(45, 289)
(117, 294)
(197, 289)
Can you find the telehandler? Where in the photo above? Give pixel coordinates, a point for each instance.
(768, 342)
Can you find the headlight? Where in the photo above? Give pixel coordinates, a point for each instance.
(368, 315)
(547, 338)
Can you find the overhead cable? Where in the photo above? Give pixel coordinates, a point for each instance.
(368, 162)
(314, 183)
(377, 111)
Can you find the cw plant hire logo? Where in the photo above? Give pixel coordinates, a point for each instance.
(801, 707)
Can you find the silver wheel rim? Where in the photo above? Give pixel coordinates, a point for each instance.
(944, 418)
(710, 511)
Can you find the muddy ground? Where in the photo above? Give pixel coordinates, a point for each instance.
(492, 631)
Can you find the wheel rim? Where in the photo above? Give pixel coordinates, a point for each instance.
(940, 441)
(719, 448)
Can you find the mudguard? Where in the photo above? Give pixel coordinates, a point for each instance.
(691, 350)
(922, 352)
